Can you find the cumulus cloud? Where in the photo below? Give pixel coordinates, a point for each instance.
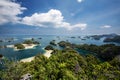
(106, 26)
(9, 11)
(53, 18)
(80, 1)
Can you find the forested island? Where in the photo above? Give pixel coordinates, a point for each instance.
(108, 37)
(114, 39)
(27, 44)
(67, 64)
(59, 39)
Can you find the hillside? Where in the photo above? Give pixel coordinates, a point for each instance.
(63, 65)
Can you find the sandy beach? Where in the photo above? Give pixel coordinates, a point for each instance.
(27, 59)
(30, 46)
(46, 54)
(10, 46)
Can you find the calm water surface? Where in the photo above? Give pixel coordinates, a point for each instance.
(44, 41)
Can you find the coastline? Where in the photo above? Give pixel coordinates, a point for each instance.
(31, 46)
(46, 54)
(27, 59)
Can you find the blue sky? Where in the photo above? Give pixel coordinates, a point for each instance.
(59, 17)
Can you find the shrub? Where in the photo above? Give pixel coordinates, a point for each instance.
(19, 46)
(49, 47)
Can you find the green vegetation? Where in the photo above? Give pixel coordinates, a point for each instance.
(106, 51)
(65, 44)
(108, 37)
(10, 70)
(49, 47)
(114, 39)
(30, 42)
(96, 37)
(19, 46)
(68, 64)
(63, 65)
(53, 43)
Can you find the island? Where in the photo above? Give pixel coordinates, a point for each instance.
(98, 37)
(115, 39)
(27, 44)
(79, 36)
(49, 47)
(48, 52)
(63, 43)
(66, 64)
(1, 56)
(83, 39)
(73, 37)
(1, 40)
(53, 43)
(105, 52)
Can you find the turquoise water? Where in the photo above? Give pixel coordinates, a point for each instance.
(11, 54)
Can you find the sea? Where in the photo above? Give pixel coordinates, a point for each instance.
(44, 40)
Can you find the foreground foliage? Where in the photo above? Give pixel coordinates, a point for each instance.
(106, 51)
(63, 65)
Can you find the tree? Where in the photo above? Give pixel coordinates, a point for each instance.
(19, 46)
(49, 47)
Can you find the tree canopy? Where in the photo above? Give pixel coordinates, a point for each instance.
(63, 65)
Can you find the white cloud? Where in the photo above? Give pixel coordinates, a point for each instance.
(80, 1)
(53, 18)
(82, 26)
(106, 26)
(44, 19)
(9, 11)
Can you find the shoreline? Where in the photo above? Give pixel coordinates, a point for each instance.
(48, 53)
(29, 59)
(31, 46)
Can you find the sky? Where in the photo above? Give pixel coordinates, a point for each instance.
(59, 17)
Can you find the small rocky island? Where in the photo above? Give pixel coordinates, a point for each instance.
(115, 39)
(98, 37)
(53, 42)
(1, 56)
(27, 44)
(49, 47)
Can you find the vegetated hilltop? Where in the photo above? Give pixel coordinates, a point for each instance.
(66, 64)
(106, 51)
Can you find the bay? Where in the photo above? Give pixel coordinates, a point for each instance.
(44, 41)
